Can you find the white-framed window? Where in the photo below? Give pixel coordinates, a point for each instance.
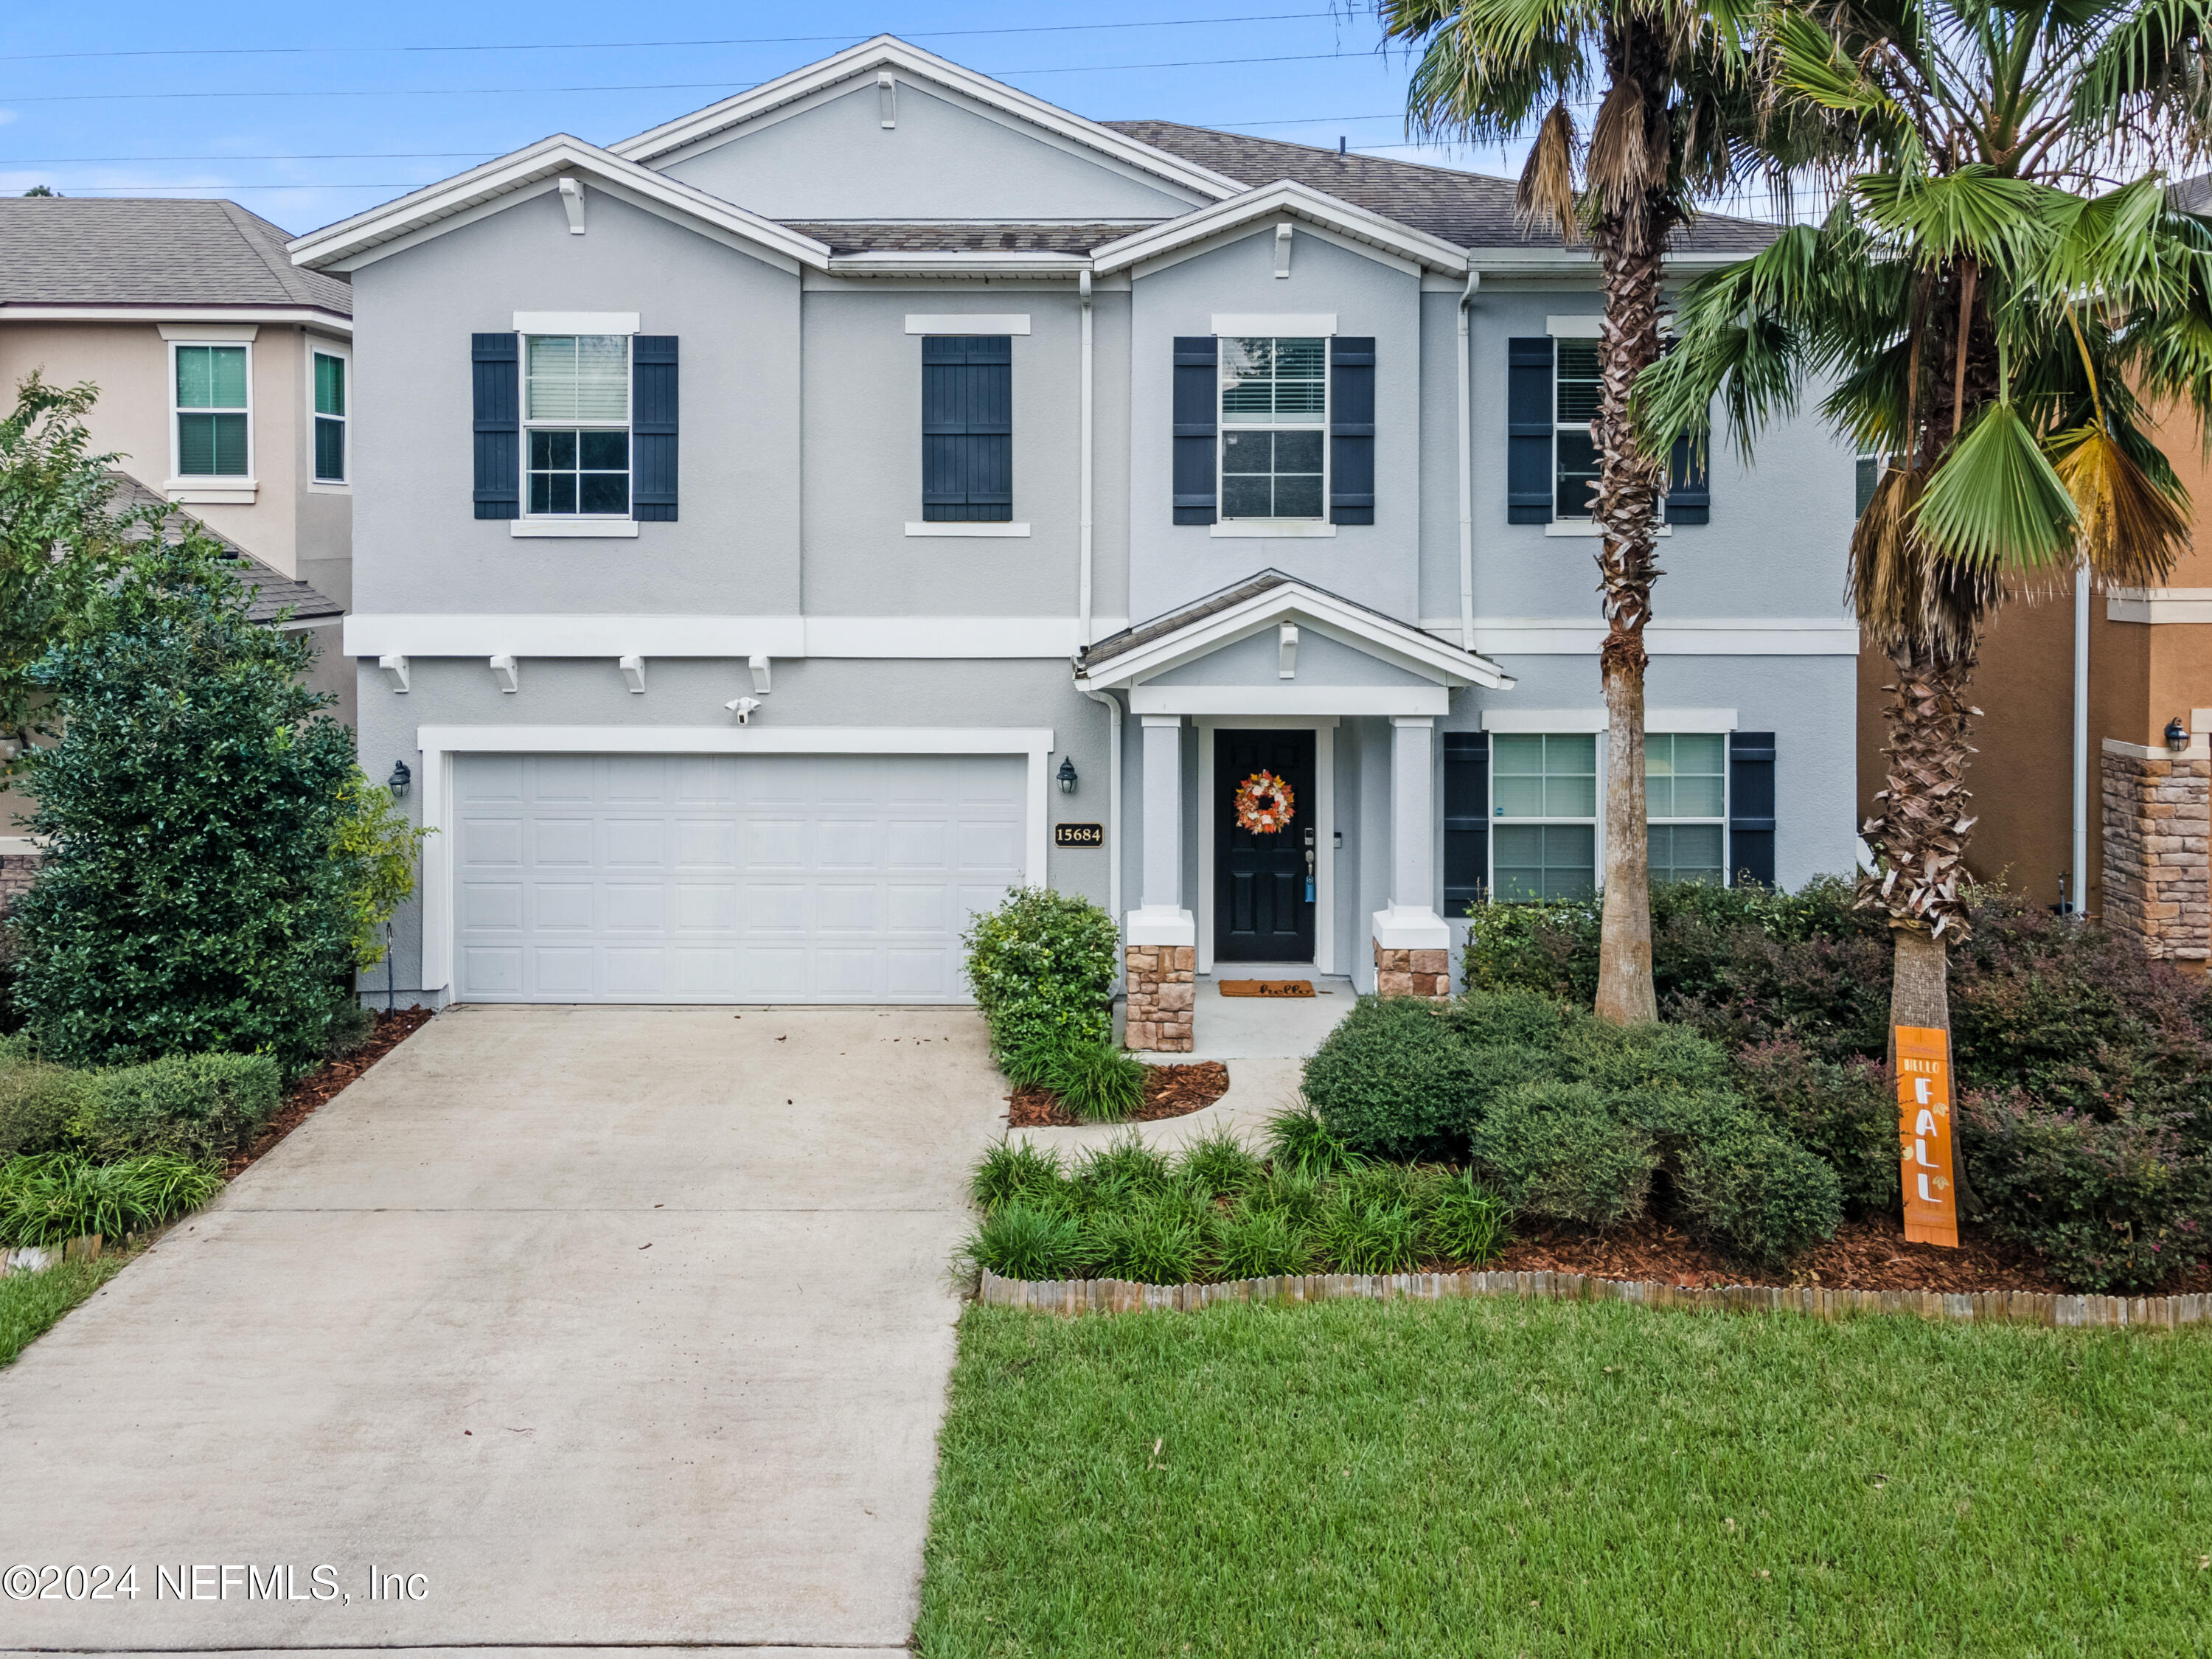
(1274, 427)
(329, 373)
(1574, 406)
(1544, 803)
(575, 418)
(210, 389)
(1686, 802)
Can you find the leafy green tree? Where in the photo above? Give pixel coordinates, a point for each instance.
(60, 539)
(192, 899)
(379, 846)
(1673, 124)
(1982, 312)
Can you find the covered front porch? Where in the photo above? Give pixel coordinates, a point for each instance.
(1283, 757)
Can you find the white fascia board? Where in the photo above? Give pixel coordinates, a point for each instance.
(1294, 602)
(734, 739)
(357, 242)
(1557, 261)
(1593, 719)
(981, 263)
(1341, 700)
(329, 321)
(1299, 202)
(1572, 636)
(888, 52)
(483, 634)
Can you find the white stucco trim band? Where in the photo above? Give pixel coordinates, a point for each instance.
(2158, 604)
(439, 744)
(1706, 636)
(371, 634)
(1593, 719)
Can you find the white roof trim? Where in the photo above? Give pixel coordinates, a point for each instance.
(1396, 641)
(984, 262)
(1284, 196)
(312, 316)
(351, 241)
(886, 51)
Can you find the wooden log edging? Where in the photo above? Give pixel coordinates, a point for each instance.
(1080, 1296)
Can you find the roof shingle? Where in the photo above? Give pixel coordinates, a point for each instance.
(141, 250)
(274, 593)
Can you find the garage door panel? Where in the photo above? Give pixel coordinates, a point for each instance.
(643, 877)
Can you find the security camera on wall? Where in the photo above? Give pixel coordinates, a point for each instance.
(742, 708)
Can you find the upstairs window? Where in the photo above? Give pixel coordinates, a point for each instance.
(1574, 452)
(576, 406)
(212, 411)
(329, 418)
(1274, 429)
(967, 428)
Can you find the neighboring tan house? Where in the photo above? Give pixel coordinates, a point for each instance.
(2092, 775)
(809, 519)
(225, 374)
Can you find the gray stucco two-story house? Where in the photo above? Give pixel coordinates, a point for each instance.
(779, 533)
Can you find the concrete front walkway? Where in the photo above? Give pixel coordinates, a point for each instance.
(618, 1327)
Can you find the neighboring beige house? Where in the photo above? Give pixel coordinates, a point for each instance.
(225, 375)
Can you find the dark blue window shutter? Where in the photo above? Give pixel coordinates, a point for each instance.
(1197, 405)
(1467, 820)
(1350, 431)
(653, 402)
(1529, 430)
(1750, 808)
(967, 428)
(495, 372)
(1689, 486)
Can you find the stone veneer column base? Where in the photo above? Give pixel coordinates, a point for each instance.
(1400, 973)
(2157, 817)
(1163, 982)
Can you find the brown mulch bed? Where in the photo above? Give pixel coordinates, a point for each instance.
(301, 1099)
(1170, 1091)
(1870, 1255)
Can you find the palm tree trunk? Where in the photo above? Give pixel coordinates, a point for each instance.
(1627, 501)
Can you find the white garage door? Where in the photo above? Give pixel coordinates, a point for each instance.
(727, 878)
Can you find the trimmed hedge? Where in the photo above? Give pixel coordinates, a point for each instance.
(197, 1107)
(1042, 966)
(1396, 1079)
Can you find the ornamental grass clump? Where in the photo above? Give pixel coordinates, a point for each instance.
(1018, 1242)
(53, 1199)
(1015, 1172)
(1219, 1163)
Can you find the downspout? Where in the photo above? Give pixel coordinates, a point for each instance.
(1082, 289)
(2080, 894)
(1467, 469)
(1113, 797)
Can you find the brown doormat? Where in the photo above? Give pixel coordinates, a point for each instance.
(1266, 987)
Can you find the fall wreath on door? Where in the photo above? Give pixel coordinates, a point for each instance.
(1264, 804)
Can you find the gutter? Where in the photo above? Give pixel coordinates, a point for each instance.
(1466, 467)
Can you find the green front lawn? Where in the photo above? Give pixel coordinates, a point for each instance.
(30, 1303)
(1509, 1478)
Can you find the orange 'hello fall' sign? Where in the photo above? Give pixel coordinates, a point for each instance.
(1923, 1133)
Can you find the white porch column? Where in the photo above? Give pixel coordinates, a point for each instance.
(1161, 917)
(1412, 944)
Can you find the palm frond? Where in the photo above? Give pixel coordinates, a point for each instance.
(1547, 192)
(1995, 503)
(2130, 532)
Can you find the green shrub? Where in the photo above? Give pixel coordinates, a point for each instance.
(1124, 1166)
(1354, 1238)
(1463, 1223)
(1649, 1056)
(1016, 1172)
(1845, 1112)
(38, 1103)
(194, 1106)
(1018, 1242)
(1260, 1243)
(1757, 1191)
(1556, 1149)
(1295, 1194)
(58, 1197)
(1154, 1241)
(1043, 965)
(2112, 1205)
(1513, 1016)
(190, 900)
(1218, 1163)
(1298, 1140)
(1395, 1080)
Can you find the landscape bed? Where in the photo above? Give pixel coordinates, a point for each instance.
(312, 1091)
(1172, 1090)
(1565, 1478)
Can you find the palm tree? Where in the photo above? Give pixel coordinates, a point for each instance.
(1987, 311)
(1670, 126)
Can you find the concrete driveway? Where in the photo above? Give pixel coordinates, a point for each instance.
(591, 1325)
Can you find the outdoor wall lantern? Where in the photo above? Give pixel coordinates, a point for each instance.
(2177, 736)
(400, 778)
(1067, 775)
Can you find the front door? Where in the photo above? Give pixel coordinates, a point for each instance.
(1264, 857)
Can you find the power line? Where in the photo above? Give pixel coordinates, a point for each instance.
(639, 46)
(363, 155)
(640, 86)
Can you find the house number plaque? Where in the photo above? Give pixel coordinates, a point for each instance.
(1078, 835)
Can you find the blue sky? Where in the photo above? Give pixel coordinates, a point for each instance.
(124, 99)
